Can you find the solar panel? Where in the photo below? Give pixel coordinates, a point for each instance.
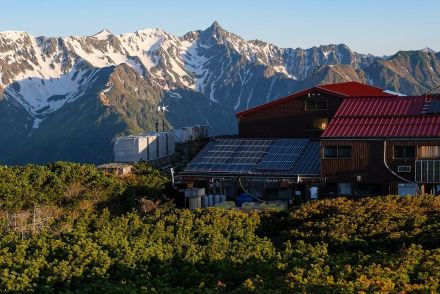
(258, 156)
(237, 156)
(283, 154)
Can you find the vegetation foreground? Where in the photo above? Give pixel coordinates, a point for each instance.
(69, 228)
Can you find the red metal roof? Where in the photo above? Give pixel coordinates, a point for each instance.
(380, 106)
(355, 89)
(348, 89)
(390, 127)
(374, 117)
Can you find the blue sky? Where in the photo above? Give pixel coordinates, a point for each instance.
(378, 27)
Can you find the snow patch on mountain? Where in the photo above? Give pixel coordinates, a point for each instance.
(103, 35)
(45, 73)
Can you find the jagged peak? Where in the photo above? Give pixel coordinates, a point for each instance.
(258, 42)
(427, 50)
(14, 34)
(215, 29)
(216, 25)
(150, 31)
(190, 36)
(103, 34)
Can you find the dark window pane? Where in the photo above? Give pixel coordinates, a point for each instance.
(344, 152)
(310, 104)
(330, 152)
(410, 152)
(321, 104)
(404, 152)
(399, 152)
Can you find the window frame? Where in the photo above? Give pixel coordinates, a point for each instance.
(315, 104)
(328, 148)
(338, 154)
(404, 157)
(347, 148)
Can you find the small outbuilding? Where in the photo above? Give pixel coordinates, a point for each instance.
(119, 169)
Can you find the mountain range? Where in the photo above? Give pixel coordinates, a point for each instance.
(68, 98)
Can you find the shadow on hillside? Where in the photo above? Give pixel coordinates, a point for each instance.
(179, 276)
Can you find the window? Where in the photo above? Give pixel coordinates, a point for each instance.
(429, 152)
(330, 152)
(404, 152)
(313, 104)
(317, 124)
(344, 152)
(337, 152)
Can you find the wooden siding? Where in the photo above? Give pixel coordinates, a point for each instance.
(367, 161)
(287, 120)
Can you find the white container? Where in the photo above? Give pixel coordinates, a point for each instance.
(135, 148)
(200, 191)
(171, 144)
(153, 148)
(222, 198)
(210, 200)
(216, 199)
(193, 202)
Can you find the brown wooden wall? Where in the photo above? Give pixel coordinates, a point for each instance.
(367, 161)
(287, 120)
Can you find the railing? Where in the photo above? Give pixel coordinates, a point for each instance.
(427, 171)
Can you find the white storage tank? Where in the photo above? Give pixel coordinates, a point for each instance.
(135, 148)
(126, 149)
(165, 143)
(171, 144)
(162, 144)
(193, 198)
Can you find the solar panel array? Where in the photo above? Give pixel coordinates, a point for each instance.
(283, 155)
(238, 156)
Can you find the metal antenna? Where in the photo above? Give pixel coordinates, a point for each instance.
(161, 110)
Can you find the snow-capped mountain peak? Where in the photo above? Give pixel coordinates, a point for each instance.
(103, 34)
(44, 74)
(107, 84)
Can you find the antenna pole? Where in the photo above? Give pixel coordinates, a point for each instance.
(163, 122)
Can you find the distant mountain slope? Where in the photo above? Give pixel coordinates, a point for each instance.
(69, 97)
